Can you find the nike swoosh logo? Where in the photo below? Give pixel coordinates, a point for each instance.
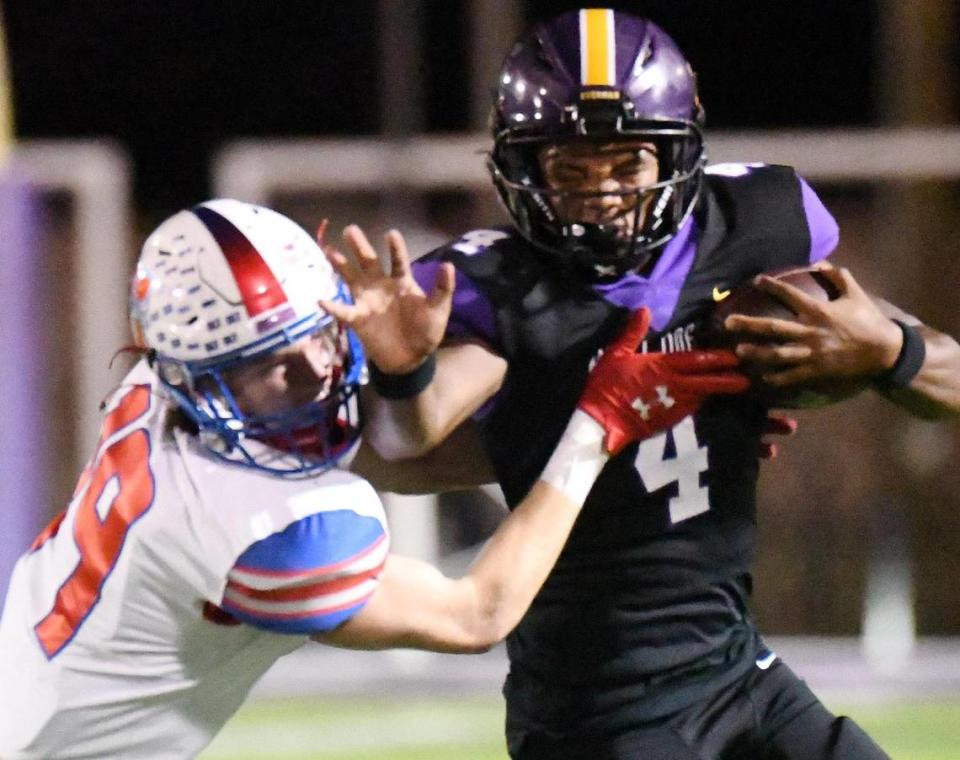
(719, 295)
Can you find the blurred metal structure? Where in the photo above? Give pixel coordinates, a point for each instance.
(96, 177)
(401, 67)
(38, 453)
(6, 99)
(491, 22)
(23, 455)
(253, 170)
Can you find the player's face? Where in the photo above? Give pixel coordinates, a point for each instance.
(614, 171)
(292, 376)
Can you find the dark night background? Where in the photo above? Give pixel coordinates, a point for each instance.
(174, 80)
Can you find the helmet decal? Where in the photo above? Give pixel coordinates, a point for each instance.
(598, 49)
(258, 286)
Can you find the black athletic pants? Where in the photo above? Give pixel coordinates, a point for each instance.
(766, 715)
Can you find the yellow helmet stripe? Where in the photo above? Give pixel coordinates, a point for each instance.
(597, 47)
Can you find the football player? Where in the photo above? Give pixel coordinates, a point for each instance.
(641, 643)
(215, 528)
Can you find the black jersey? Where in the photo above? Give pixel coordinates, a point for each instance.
(650, 593)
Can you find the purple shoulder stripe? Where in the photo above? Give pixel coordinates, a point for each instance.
(824, 232)
(472, 314)
(661, 290)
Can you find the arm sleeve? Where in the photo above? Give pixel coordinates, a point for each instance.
(310, 577)
(824, 232)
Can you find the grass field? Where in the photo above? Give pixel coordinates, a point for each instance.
(374, 728)
(403, 728)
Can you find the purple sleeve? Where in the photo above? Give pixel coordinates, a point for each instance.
(824, 233)
(470, 317)
(472, 313)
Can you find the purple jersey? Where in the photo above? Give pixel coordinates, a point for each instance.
(652, 590)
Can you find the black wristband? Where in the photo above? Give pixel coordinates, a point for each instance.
(908, 363)
(407, 385)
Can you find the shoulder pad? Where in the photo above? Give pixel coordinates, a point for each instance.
(476, 242)
(752, 170)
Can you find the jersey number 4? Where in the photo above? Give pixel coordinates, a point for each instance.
(684, 469)
(114, 491)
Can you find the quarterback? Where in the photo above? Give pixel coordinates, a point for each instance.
(641, 643)
(216, 529)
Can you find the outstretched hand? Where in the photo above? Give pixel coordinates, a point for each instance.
(848, 337)
(635, 396)
(397, 322)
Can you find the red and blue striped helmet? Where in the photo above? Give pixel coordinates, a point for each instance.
(597, 74)
(225, 283)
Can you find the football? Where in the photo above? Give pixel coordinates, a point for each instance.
(750, 300)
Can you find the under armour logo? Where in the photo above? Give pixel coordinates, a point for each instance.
(663, 398)
(643, 409)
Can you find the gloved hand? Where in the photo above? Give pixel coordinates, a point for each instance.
(635, 396)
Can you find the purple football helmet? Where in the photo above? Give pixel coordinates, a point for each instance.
(593, 75)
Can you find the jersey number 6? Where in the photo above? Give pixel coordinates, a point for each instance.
(114, 491)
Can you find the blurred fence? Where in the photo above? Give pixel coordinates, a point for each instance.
(859, 518)
(66, 232)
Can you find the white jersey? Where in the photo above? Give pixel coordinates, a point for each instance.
(136, 625)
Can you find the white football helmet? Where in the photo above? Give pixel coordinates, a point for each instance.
(228, 282)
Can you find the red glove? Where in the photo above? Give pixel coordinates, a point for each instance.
(635, 396)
